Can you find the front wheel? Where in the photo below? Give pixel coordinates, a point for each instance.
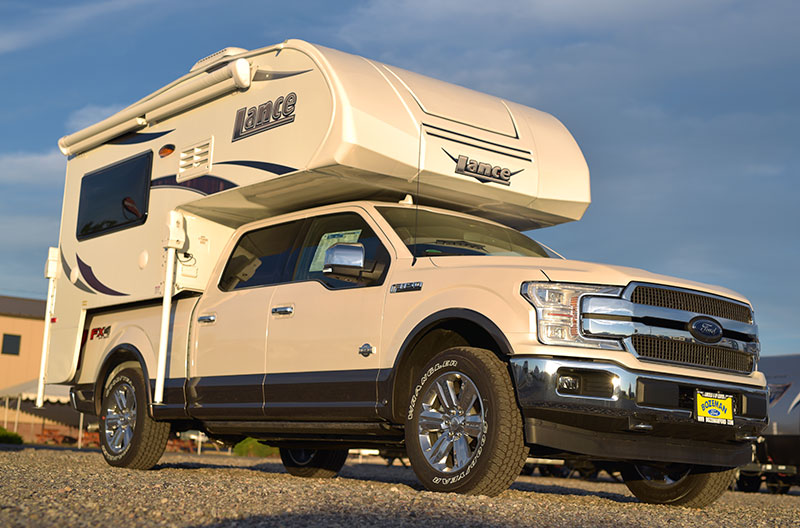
(313, 463)
(463, 428)
(128, 436)
(677, 484)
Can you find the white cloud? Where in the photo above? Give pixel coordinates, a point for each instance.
(89, 115)
(554, 49)
(28, 232)
(29, 169)
(48, 24)
(30, 208)
(764, 169)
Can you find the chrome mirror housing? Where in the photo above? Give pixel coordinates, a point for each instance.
(344, 259)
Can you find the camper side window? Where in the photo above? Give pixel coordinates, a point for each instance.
(114, 197)
(260, 257)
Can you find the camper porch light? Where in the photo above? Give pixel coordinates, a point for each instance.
(558, 312)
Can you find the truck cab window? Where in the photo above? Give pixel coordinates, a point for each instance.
(114, 197)
(344, 228)
(260, 257)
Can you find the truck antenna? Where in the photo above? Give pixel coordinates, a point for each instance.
(416, 221)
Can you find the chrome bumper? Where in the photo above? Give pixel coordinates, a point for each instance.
(618, 414)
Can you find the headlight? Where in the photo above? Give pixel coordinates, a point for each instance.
(558, 312)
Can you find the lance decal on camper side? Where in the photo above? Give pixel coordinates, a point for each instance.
(266, 116)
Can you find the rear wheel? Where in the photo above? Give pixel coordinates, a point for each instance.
(463, 427)
(128, 436)
(313, 463)
(677, 484)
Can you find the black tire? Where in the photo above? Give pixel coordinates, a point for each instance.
(313, 463)
(479, 437)
(748, 483)
(129, 437)
(677, 484)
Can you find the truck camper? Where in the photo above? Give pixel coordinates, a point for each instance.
(324, 252)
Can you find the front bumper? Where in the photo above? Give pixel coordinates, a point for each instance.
(619, 414)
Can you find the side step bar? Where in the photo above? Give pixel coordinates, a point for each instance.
(314, 428)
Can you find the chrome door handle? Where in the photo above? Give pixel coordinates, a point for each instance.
(282, 310)
(206, 319)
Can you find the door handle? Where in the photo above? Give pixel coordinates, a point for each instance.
(282, 310)
(206, 319)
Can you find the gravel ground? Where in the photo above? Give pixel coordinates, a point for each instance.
(53, 487)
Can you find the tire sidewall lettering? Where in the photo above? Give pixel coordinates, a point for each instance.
(106, 452)
(445, 481)
(430, 372)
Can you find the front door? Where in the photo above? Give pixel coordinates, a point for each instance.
(228, 365)
(324, 331)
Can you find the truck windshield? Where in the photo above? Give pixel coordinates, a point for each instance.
(441, 234)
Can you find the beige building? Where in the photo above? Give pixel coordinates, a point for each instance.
(21, 331)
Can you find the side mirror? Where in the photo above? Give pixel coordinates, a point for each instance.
(344, 259)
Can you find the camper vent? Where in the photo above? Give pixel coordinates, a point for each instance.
(196, 160)
(218, 56)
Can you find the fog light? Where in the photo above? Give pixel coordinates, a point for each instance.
(569, 383)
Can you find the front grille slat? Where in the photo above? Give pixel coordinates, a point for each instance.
(696, 354)
(691, 302)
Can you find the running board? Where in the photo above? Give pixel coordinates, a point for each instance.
(312, 428)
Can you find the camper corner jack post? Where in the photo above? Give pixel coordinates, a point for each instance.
(50, 272)
(175, 239)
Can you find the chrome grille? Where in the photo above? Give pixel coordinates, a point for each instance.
(691, 302)
(693, 354)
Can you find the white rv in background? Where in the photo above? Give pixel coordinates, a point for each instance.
(776, 455)
(323, 252)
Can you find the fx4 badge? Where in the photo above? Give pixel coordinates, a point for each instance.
(483, 172)
(266, 116)
(100, 333)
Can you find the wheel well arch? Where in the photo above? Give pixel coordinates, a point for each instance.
(122, 355)
(439, 331)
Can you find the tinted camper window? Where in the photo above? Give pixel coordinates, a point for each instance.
(115, 197)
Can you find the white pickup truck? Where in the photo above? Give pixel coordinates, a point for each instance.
(324, 252)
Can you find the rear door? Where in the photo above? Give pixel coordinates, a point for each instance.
(228, 366)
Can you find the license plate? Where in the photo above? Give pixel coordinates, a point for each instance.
(714, 408)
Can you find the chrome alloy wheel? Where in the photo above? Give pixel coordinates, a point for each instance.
(451, 423)
(120, 418)
(663, 477)
(302, 457)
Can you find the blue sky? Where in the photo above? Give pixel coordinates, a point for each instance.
(687, 112)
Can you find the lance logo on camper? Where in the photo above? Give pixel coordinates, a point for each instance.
(483, 172)
(266, 116)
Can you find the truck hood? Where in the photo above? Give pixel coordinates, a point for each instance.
(581, 272)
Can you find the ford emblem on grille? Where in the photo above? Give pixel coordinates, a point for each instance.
(705, 329)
